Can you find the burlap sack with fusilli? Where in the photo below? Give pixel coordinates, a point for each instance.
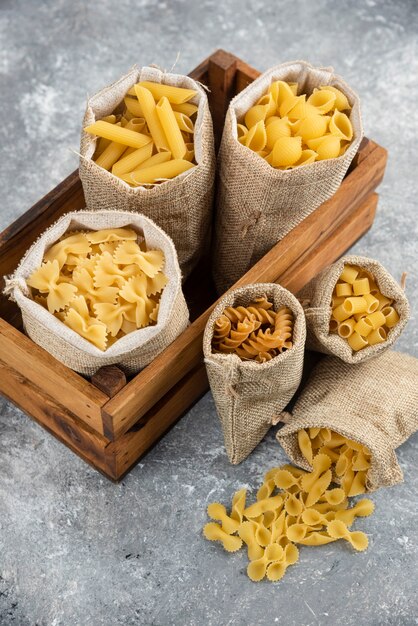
(181, 206)
(257, 205)
(316, 300)
(374, 403)
(133, 351)
(248, 395)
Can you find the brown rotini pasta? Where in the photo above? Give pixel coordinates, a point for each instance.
(254, 332)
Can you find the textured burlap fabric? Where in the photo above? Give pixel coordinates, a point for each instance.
(181, 206)
(374, 403)
(248, 395)
(133, 351)
(258, 205)
(316, 300)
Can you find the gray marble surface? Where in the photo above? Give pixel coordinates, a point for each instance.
(78, 550)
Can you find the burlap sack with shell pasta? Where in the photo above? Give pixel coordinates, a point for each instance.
(374, 403)
(248, 395)
(181, 206)
(133, 351)
(258, 205)
(316, 300)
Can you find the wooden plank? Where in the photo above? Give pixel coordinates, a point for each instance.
(56, 420)
(131, 446)
(164, 414)
(221, 73)
(110, 379)
(122, 411)
(51, 376)
(309, 265)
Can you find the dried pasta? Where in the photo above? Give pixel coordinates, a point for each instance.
(151, 140)
(361, 314)
(255, 332)
(102, 284)
(294, 506)
(290, 130)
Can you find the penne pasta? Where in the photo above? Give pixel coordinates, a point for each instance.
(132, 160)
(117, 134)
(184, 123)
(110, 155)
(134, 107)
(160, 157)
(186, 108)
(148, 106)
(162, 171)
(171, 129)
(175, 95)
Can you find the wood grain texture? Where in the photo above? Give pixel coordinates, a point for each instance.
(110, 379)
(52, 377)
(185, 352)
(56, 419)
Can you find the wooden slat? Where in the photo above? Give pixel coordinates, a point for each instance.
(51, 376)
(165, 413)
(221, 74)
(56, 419)
(122, 411)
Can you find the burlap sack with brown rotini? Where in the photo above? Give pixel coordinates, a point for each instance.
(133, 351)
(181, 206)
(316, 301)
(248, 395)
(257, 205)
(374, 403)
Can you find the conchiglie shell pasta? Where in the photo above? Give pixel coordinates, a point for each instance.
(256, 137)
(256, 114)
(275, 130)
(341, 101)
(322, 99)
(313, 127)
(340, 126)
(327, 147)
(281, 90)
(270, 104)
(286, 151)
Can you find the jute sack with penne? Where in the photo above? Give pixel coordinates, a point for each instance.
(374, 403)
(131, 352)
(316, 298)
(257, 204)
(182, 206)
(248, 394)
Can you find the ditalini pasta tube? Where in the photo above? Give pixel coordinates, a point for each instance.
(354, 309)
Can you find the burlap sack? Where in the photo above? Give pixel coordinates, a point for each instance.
(133, 351)
(249, 394)
(182, 206)
(258, 205)
(316, 300)
(374, 403)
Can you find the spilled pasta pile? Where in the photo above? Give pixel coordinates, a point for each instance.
(289, 130)
(295, 507)
(255, 332)
(102, 284)
(361, 314)
(152, 140)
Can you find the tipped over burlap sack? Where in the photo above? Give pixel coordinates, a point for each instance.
(133, 351)
(181, 206)
(257, 205)
(374, 403)
(316, 301)
(248, 395)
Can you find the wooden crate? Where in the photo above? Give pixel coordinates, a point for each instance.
(108, 421)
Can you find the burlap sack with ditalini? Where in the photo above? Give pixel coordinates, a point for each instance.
(374, 403)
(316, 301)
(133, 351)
(181, 206)
(248, 395)
(257, 205)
